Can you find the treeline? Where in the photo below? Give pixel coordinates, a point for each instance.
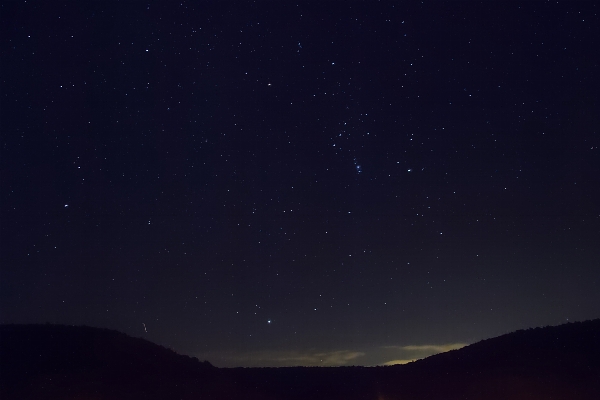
(68, 362)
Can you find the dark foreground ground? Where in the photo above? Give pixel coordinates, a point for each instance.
(68, 362)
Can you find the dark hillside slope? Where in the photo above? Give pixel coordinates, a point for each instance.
(67, 362)
(559, 362)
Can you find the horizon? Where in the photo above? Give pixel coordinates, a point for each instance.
(59, 360)
(339, 358)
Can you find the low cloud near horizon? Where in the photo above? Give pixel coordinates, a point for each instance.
(411, 353)
(384, 355)
(283, 358)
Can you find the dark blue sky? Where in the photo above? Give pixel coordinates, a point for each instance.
(316, 183)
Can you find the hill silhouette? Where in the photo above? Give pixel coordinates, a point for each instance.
(69, 362)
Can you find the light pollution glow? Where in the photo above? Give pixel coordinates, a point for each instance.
(383, 355)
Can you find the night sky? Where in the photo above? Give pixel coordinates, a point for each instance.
(279, 183)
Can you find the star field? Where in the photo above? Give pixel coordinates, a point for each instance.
(261, 184)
